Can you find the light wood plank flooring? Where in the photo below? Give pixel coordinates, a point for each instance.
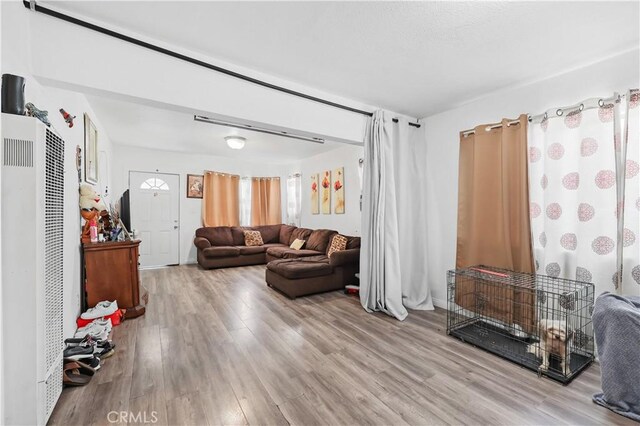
(220, 347)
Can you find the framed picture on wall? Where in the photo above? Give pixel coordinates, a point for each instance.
(90, 151)
(337, 185)
(326, 192)
(195, 186)
(315, 197)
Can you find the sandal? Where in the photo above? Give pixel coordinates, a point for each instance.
(76, 373)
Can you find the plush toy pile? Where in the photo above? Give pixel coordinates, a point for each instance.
(90, 208)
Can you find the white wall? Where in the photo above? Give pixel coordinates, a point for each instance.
(347, 157)
(146, 160)
(16, 60)
(599, 79)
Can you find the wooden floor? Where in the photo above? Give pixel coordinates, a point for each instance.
(220, 347)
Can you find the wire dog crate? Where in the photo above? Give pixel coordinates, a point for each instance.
(540, 322)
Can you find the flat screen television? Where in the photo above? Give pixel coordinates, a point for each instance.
(125, 212)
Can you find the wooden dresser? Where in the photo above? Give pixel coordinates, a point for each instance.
(111, 273)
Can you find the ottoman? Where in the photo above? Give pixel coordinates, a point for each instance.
(304, 276)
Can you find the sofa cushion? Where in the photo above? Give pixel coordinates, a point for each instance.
(338, 243)
(353, 242)
(253, 238)
(270, 233)
(269, 245)
(300, 234)
(217, 235)
(296, 254)
(221, 251)
(277, 251)
(244, 250)
(285, 234)
(289, 253)
(298, 269)
(237, 233)
(319, 239)
(201, 242)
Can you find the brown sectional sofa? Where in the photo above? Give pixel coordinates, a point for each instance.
(294, 272)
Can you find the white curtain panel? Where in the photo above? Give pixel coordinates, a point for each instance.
(393, 273)
(631, 234)
(294, 199)
(572, 180)
(245, 201)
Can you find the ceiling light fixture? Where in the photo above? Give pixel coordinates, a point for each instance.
(235, 142)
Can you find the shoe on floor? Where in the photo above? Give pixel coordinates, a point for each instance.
(106, 353)
(102, 309)
(78, 352)
(93, 362)
(95, 332)
(99, 329)
(76, 373)
(106, 350)
(87, 340)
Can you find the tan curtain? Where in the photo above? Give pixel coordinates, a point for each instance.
(266, 208)
(221, 199)
(493, 218)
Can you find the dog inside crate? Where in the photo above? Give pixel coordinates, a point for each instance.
(540, 322)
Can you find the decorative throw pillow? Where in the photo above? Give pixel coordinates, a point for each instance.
(297, 244)
(252, 238)
(338, 243)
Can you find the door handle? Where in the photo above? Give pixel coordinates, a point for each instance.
(175, 226)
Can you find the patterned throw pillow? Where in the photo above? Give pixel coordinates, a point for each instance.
(297, 244)
(338, 243)
(252, 238)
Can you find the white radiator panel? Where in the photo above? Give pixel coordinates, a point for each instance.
(32, 268)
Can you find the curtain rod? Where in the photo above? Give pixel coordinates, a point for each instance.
(33, 6)
(557, 112)
(490, 127)
(586, 104)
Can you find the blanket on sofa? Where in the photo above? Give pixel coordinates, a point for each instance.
(616, 322)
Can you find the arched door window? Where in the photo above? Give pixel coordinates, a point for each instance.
(154, 184)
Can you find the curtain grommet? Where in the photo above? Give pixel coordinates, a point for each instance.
(559, 112)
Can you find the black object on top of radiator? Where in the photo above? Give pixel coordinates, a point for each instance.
(13, 94)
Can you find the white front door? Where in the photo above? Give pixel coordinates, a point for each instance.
(155, 204)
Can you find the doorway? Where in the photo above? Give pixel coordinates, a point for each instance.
(155, 207)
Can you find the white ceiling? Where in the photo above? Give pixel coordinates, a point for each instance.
(133, 124)
(416, 58)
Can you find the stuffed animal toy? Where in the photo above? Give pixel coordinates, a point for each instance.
(89, 199)
(90, 208)
(68, 118)
(42, 115)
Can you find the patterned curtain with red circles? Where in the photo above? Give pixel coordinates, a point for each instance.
(573, 194)
(630, 280)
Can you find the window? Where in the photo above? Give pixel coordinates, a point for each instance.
(245, 201)
(294, 199)
(155, 184)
